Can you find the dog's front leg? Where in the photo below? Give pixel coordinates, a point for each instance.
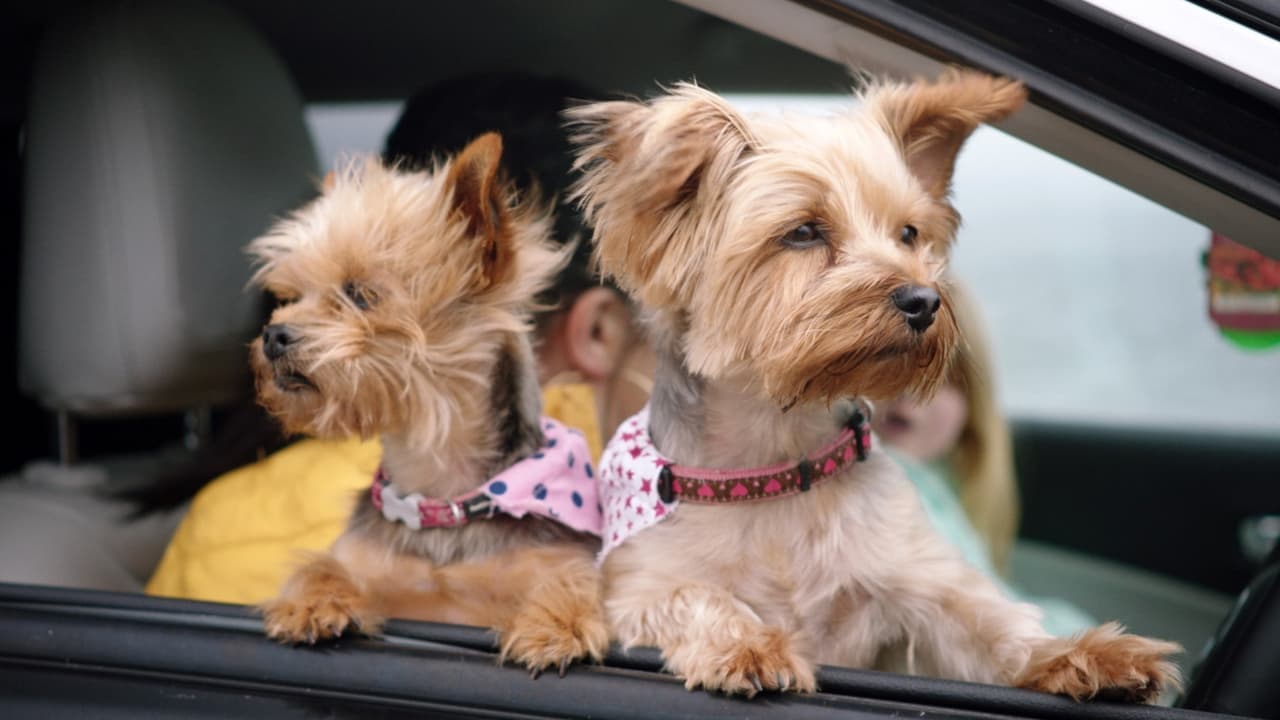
(957, 624)
(714, 641)
(960, 625)
(322, 599)
(707, 636)
(1104, 661)
(559, 617)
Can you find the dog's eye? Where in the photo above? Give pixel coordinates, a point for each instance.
(805, 236)
(908, 235)
(360, 295)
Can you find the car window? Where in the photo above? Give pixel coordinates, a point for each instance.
(1096, 298)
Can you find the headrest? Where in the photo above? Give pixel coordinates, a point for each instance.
(161, 138)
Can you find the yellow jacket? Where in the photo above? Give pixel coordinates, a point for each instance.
(247, 529)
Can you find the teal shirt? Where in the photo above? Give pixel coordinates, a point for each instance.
(942, 506)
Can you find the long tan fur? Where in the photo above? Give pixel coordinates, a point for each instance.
(409, 297)
(762, 344)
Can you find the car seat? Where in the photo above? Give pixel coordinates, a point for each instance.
(160, 138)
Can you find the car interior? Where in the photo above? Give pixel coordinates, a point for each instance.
(151, 141)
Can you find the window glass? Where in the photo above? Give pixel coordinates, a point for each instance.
(1097, 299)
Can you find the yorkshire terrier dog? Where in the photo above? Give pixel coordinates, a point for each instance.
(791, 269)
(406, 304)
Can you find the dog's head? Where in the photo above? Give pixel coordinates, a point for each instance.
(802, 253)
(397, 292)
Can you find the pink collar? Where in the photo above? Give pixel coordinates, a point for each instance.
(640, 487)
(556, 482)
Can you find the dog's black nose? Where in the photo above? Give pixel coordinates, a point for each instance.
(276, 340)
(918, 304)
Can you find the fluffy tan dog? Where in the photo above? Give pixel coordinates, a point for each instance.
(788, 265)
(406, 315)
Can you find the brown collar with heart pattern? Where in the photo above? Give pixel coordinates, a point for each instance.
(701, 485)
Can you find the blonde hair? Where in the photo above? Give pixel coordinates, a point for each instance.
(982, 459)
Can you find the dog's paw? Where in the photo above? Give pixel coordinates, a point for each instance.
(1104, 663)
(320, 602)
(317, 618)
(750, 666)
(540, 638)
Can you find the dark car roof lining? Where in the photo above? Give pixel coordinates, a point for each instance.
(426, 665)
(388, 49)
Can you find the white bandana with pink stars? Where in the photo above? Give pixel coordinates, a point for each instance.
(628, 472)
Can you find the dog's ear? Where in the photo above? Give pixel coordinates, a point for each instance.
(480, 196)
(932, 120)
(646, 170)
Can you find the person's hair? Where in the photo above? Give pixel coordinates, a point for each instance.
(525, 109)
(982, 460)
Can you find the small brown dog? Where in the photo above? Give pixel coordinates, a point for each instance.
(407, 316)
(789, 265)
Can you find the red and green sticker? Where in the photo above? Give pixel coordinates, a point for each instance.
(1244, 293)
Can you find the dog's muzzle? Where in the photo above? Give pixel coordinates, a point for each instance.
(918, 305)
(276, 340)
